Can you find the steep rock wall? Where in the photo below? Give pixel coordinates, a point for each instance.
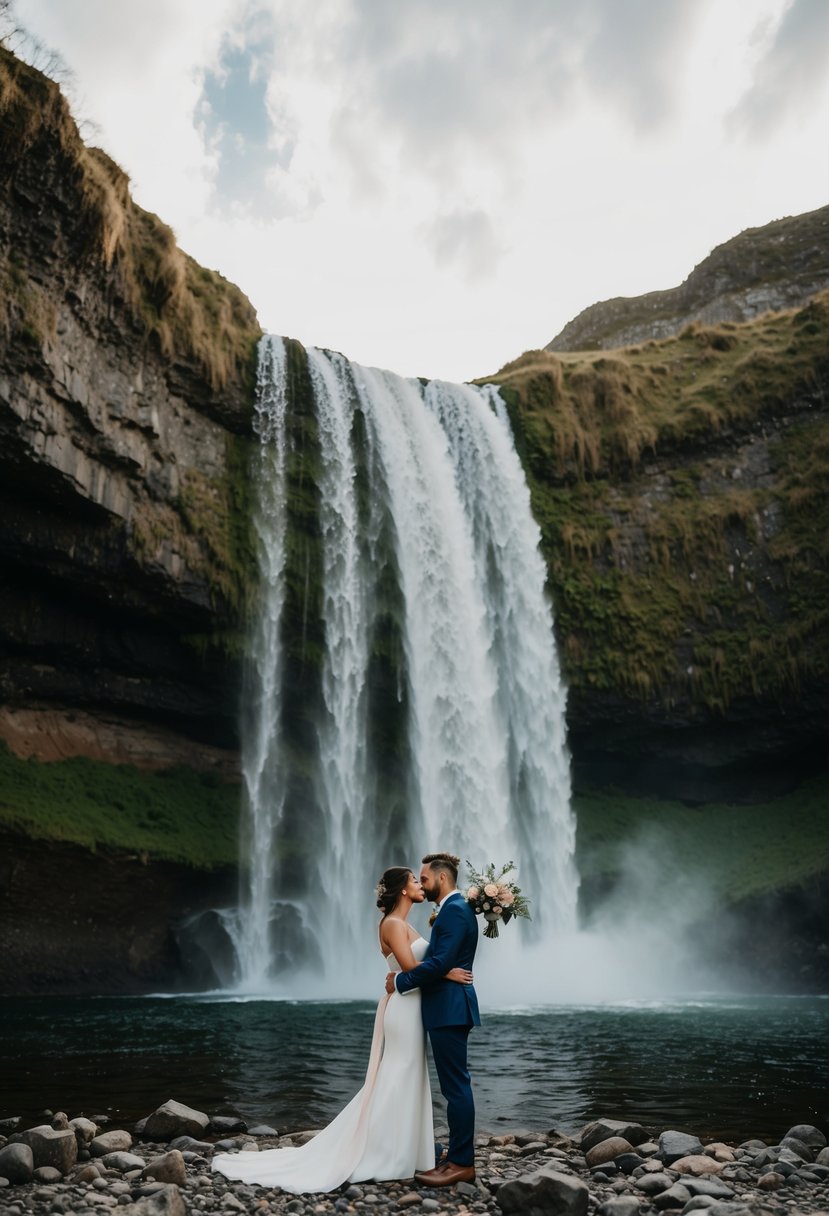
(126, 383)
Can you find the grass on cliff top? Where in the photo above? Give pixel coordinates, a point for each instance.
(191, 312)
(732, 852)
(587, 414)
(176, 815)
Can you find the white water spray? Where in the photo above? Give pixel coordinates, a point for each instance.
(431, 473)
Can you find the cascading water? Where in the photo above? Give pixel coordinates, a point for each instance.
(438, 707)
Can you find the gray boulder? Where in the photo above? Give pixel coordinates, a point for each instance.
(603, 1129)
(807, 1134)
(711, 1187)
(174, 1119)
(823, 1157)
(698, 1204)
(60, 1121)
(46, 1175)
(117, 1141)
(544, 1193)
(653, 1184)
(169, 1168)
(10, 1125)
(165, 1202)
(85, 1130)
(262, 1129)
(676, 1196)
(17, 1163)
(673, 1145)
(622, 1205)
(122, 1161)
(50, 1147)
(797, 1146)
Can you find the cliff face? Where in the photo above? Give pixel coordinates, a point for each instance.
(125, 397)
(681, 489)
(768, 269)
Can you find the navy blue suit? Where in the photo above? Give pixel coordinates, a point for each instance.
(450, 1011)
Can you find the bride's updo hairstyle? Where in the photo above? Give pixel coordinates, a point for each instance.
(391, 886)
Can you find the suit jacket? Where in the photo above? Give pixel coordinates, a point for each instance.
(453, 944)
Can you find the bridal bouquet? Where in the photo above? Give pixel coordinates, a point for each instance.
(494, 898)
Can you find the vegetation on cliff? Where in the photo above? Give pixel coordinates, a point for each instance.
(188, 312)
(173, 815)
(680, 487)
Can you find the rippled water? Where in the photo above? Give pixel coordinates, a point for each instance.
(727, 1067)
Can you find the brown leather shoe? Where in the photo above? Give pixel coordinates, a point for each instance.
(446, 1174)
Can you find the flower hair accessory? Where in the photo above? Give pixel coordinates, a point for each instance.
(380, 889)
(494, 898)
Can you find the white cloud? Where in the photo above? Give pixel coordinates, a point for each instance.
(437, 185)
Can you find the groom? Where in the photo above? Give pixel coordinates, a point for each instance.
(449, 1011)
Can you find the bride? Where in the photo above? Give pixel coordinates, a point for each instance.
(385, 1131)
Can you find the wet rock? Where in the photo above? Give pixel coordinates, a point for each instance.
(118, 1141)
(188, 1144)
(17, 1163)
(674, 1145)
(173, 1119)
(10, 1125)
(50, 1147)
(544, 1193)
(807, 1134)
(696, 1164)
(169, 1168)
(699, 1203)
(606, 1150)
(262, 1129)
(224, 1125)
(604, 1129)
(720, 1152)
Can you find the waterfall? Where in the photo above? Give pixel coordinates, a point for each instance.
(424, 666)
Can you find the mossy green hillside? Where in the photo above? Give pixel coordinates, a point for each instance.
(182, 816)
(174, 815)
(672, 578)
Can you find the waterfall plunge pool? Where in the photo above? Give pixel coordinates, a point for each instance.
(730, 1067)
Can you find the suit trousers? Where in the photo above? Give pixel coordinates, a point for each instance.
(449, 1049)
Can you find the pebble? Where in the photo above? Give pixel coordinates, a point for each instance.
(647, 1179)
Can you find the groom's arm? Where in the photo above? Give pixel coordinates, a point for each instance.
(444, 948)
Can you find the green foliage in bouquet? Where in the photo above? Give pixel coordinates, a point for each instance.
(494, 898)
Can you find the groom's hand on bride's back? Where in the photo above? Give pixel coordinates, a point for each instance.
(390, 982)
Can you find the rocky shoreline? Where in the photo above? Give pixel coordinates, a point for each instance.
(610, 1167)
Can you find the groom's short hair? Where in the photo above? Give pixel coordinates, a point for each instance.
(443, 861)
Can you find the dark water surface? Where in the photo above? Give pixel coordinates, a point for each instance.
(730, 1067)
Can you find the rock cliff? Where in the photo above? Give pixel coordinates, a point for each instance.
(768, 269)
(126, 376)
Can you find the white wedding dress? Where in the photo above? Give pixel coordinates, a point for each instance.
(385, 1131)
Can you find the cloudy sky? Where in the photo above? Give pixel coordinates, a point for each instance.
(437, 185)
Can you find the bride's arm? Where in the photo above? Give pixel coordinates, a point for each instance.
(395, 937)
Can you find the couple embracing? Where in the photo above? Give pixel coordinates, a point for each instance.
(386, 1132)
